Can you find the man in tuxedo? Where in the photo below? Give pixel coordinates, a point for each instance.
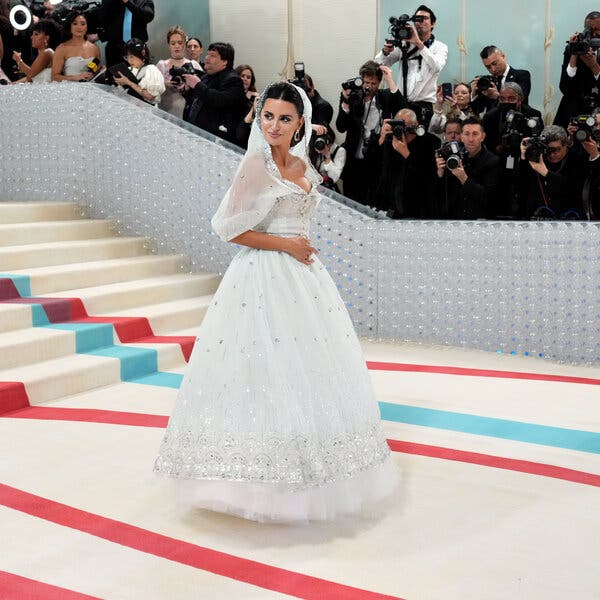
(217, 102)
(494, 60)
(118, 21)
(579, 77)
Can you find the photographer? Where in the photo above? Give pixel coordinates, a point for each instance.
(172, 100)
(580, 72)
(118, 21)
(363, 106)
(217, 101)
(452, 130)
(421, 58)
(552, 181)
(467, 180)
(322, 111)
(150, 84)
(328, 158)
(457, 106)
(486, 89)
(494, 121)
(406, 186)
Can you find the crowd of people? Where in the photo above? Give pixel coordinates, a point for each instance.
(413, 148)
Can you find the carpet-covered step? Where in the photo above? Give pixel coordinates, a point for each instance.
(56, 278)
(20, 234)
(64, 376)
(14, 317)
(166, 317)
(26, 212)
(57, 253)
(59, 377)
(152, 290)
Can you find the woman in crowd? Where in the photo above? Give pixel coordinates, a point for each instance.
(151, 83)
(71, 58)
(276, 418)
(457, 106)
(248, 78)
(44, 39)
(172, 100)
(194, 50)
(328, 158)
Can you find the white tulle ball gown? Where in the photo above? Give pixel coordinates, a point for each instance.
(276, 418)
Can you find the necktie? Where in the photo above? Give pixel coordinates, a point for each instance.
(127, 18)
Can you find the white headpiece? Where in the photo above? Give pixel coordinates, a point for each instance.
(258, 183)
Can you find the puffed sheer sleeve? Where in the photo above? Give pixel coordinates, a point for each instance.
(248, 201)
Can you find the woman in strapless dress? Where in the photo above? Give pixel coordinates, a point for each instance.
(45, 36)
(72, 57)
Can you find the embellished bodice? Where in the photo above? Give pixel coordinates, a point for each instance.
(291, 213)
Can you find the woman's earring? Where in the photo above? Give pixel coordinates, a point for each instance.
(297, 135)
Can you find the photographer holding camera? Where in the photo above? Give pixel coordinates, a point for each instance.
(467, 175)
(486, 88)
(421, 58)
(552, 182)
(327, 157)
(216, 101)
(406, 187)
(172, 100)
(580, 72)
(363, 106)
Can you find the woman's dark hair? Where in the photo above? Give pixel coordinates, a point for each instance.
(241, 68)
(288, 93)
(50, 28)
(137, 48)
(467, 85)
(67, 35)
(194, 38)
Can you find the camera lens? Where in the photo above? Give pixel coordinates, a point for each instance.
(453, 162)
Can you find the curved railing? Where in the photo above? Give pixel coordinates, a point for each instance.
(527, 288)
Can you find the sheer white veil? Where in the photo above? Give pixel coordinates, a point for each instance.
(258, 183)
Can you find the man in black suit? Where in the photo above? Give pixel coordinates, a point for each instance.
(494, 60)
(502, 141)
(117, 21)
(579, 77)
(360, 116)
(469, 190)
(217, 102)
(322, 111)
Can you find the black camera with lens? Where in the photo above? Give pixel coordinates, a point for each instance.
(583, 43)
(400, 129)
(585, 128)
(177, 73)
(516, 127)
(400, 30)
(536, 147)
(452, 152)
(299, 76)
(357, 92)
(484, 83)
(320, 142)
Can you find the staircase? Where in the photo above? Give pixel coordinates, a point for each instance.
(82, 308)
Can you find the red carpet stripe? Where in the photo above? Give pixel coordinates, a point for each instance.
(85, 415)
(14, 587)
(498, 462)
(226, 565)
(13, 396)
(466, 372)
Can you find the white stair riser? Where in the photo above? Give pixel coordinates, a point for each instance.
(14, 317)
(22, 257)
(25, 212)
(100, 274)
(34, 233)
(16, 352)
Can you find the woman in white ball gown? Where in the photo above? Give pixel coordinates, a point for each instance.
(276, 418)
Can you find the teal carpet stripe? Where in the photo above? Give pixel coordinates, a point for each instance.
(39, 318)
(22, 283)
(88, 336)
(557, 437)
(161, 379)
